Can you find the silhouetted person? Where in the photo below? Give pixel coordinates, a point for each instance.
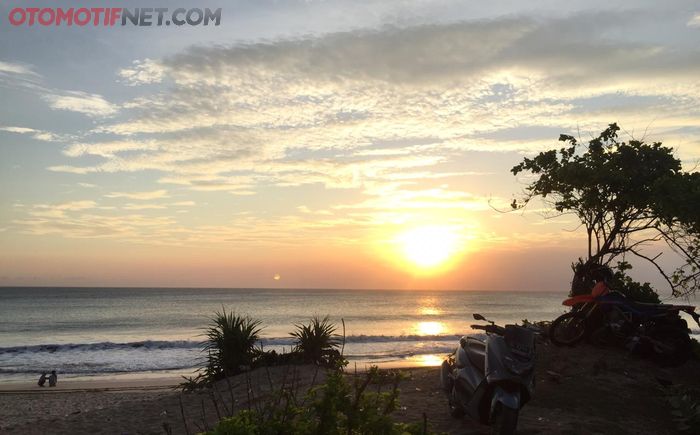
(53, 378)
(42, 379)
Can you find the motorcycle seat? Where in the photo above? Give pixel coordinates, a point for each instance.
(476, 352)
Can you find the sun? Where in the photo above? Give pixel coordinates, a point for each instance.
(428, 247)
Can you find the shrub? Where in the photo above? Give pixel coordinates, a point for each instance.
(317, 341)
(335, 407)
(230, 344)
(632, 289)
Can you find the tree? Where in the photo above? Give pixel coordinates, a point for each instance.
(631, 198)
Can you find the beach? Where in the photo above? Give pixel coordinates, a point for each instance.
(580, 390)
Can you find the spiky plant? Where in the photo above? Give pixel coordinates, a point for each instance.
(317, 341)
(230, 344)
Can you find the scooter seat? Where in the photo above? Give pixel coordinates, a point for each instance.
(476, 352)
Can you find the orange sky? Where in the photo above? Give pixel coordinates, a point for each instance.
(289, 141)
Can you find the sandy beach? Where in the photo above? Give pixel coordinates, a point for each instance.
(582, 390)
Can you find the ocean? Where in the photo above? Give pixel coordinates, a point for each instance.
(103, 332)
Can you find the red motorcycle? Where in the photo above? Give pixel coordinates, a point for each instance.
(608, 317)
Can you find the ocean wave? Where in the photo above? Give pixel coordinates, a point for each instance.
(102, 346)
(92, 370)
(150, 345)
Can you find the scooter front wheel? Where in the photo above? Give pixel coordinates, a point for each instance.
(456, 411)
(568, 329)
(505, 421)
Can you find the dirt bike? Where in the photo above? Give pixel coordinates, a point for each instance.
(609, 318)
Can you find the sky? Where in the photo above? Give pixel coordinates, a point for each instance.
(321, 144)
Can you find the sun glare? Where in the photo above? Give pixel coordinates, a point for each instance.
(428, 247)
(429, 328)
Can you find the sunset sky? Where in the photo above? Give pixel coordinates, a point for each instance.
(322, 141)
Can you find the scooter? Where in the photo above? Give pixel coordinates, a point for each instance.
(491, 380)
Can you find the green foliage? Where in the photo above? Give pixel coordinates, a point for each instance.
(632, 289)
(627, 195)
(620, 281)
(317, 341)
(230, 348)
(230, 344)
(336, 407)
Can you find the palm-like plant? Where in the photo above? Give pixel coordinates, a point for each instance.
(230, 344)
(317, 341)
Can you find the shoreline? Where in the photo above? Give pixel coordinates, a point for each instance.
(153, 380)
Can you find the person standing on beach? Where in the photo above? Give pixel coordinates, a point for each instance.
(42, 379)
(53, 378)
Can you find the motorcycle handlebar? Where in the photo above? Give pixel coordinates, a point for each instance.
(494, 329)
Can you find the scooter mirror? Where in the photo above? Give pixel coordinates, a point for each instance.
(479, 317)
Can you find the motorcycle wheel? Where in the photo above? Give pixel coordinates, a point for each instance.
(505, 421)
(568, 329)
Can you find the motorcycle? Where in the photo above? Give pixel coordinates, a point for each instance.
(608, 317)
(491, 380)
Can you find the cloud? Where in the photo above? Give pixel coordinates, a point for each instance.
(60, 209)
(10, 68)
(407, 105)
(572, 50)
(395, 120)
(694, 21)
(141, 196)
(92, 105)
(143, 72)
(132, 206)
(108, 149)
(36, 134)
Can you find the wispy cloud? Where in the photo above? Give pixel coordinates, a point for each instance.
(17, 69)
(36, 134)
(143, 72)
(141, 196)
(694, 21)
(92, 105)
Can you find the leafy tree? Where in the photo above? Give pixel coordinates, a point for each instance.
(631, 197)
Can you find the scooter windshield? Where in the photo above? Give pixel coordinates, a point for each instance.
(520, 340)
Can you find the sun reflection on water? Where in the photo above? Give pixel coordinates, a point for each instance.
(429, 311)
(428, 306)
(430, 328)
(429, 360)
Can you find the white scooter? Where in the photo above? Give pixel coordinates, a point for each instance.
(491, 380)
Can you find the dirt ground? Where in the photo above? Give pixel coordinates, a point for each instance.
(580, 390)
